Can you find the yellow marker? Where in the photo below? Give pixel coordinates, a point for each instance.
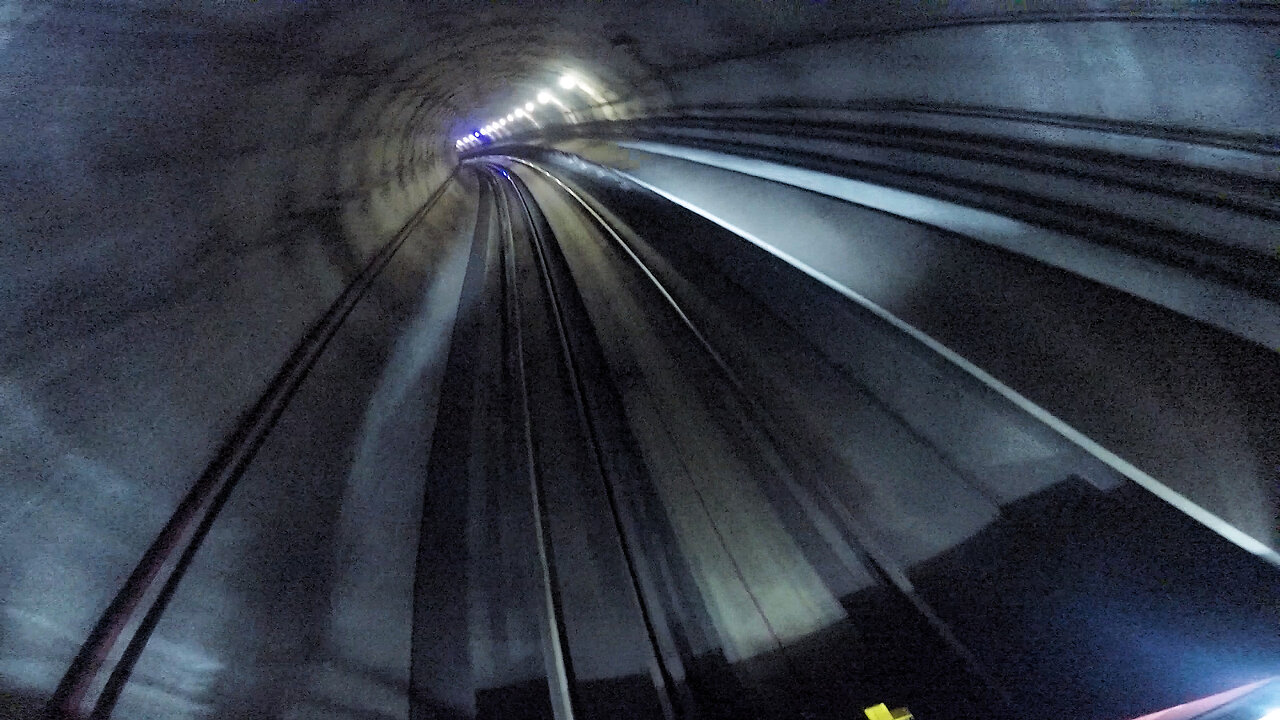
(882, 712)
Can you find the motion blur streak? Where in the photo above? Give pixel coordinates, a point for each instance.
(754, 360)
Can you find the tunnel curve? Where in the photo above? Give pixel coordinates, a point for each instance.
(186, 186)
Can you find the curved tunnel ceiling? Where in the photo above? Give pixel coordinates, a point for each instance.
(271, 108)
(268, 111)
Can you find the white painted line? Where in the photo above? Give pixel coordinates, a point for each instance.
(1124, 467)
(1221, 306)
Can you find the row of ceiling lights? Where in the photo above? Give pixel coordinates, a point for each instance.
(569, 81)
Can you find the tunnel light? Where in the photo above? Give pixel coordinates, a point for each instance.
(1272, 714)
(569, 81)
(545, 97)
(511, 117)
(476, 134)
(529, 106)
(522, 114)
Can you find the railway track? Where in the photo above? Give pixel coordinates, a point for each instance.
(723, 516)
(675, 474)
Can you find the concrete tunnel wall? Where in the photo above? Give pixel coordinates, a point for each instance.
(184, 187)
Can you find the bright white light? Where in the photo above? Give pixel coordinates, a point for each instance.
(1272, 714)
(544, 97)
(511, 117)
(502, 122)
(572, 82)
(519, 112)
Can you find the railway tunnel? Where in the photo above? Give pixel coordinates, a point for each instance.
(679, 360)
